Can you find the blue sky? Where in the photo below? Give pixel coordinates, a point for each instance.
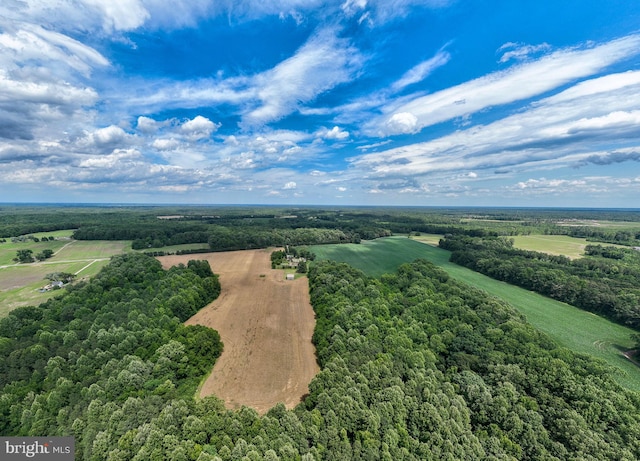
(346, 102)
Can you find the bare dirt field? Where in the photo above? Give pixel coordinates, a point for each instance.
(266, 324)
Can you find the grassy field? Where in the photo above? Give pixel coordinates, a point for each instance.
(374, 257)
(8, 249)
(578, 330)
(552, 244)
(20, 283)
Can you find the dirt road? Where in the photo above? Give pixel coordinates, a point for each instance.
(266, 324)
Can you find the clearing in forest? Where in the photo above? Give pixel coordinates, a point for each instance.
(20, 283)
(564, 245)
(266, 324)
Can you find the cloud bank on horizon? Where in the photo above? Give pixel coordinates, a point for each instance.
(346, 102)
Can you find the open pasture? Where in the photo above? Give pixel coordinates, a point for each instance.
(570, 247)
(20, 283)
(571, 327)
(8, 249)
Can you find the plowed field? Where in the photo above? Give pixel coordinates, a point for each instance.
(265, 323)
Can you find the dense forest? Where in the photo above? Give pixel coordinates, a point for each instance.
(116, 345)
(414, 366)
(606, 283)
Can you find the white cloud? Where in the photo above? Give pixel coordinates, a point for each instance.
(375, 12)
(81, 15)
(109, 134)
(111, 160)
(402, 122)
(520, 52)
(335, 134)
(421, 71)
(44, 80)
(570, 188)
(198, 128)
(517, 83)
(321, 64)
(165, 144)
(562, 130)
(21, 93)
(290, 185)
(147, 125)
(120, 14)
(374, 145)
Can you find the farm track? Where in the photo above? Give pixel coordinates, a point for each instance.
(266, 324)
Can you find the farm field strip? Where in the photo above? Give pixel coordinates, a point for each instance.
(569, 326)
(265, 323)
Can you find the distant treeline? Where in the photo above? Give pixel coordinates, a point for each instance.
(157, 227)
(234, 233)
(608, 283)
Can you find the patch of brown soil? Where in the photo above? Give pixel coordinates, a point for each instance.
(266, 324)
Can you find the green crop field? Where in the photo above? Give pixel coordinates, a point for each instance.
(578, 330)
(375, 257)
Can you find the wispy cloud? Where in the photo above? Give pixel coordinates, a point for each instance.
(45, 81)
(374, 12)
(519, 51)
(421, 71)
(564, 128)
(517, 83)
(321, 64)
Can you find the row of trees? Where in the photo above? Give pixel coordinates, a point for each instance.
(225, 238)
(414, 366)
(27, 256)
(608, 285)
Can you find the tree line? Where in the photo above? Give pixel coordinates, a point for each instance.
(606, 283)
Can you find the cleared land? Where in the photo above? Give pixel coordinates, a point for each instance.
(570, 247)
(19, 283)
(266, 324)
(569, 326)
